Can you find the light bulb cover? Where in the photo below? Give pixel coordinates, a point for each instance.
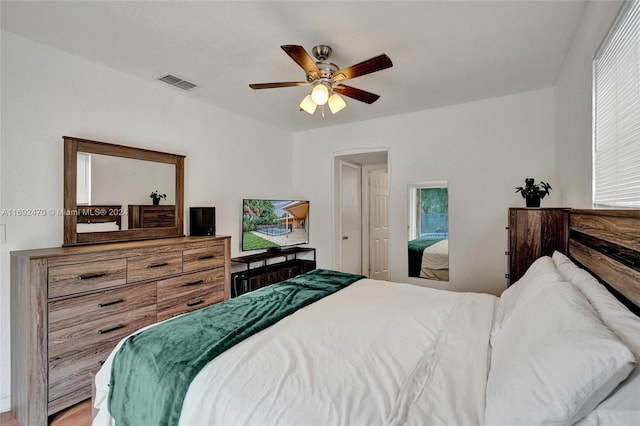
(320, 94)
(307, 105)
(336, 103)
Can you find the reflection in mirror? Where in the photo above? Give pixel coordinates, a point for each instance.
(108, 193)
(120, 189)
(429, 230)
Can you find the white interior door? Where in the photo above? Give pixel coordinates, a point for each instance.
(379, 224)
(350, 218)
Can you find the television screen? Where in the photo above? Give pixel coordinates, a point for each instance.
(271, 224)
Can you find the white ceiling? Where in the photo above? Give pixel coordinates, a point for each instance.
(443, 52)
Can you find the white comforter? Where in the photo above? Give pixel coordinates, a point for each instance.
(436, 256)
(374, 353)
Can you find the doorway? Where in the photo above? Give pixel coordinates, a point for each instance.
(361, 213)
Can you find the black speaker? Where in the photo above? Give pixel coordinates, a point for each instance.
(202, 221)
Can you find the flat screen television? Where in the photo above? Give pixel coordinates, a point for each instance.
(273, 224)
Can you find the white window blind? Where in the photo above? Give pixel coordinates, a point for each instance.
(616, 139)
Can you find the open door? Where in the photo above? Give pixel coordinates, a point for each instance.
(378, 224)
(361, 216)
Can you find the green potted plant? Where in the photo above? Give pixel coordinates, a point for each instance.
(156, 196)
(533, 192)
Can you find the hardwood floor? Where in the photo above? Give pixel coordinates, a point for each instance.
(78, 415)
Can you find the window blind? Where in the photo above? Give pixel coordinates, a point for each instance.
(616, 130)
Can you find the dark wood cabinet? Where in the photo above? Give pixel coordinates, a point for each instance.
(535, 232)
(288, 266)
(143, 216)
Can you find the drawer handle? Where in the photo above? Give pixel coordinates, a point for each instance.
(115, 302)
(193, 283)
(199, 302)
(109, 330)
(206, 257)
(157, 265)
(90, 276)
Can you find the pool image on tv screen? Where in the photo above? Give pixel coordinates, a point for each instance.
(271, 224)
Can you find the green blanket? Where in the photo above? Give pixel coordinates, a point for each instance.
(416, 247)
(153, 369)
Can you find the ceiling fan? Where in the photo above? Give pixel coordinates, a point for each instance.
(326, 78)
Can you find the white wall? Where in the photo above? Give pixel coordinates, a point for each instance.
(124, 181)
(483, 149)
(47, 94)
(574, 106)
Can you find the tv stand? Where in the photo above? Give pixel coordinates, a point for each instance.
(259, 272)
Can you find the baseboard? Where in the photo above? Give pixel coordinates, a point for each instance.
(5, 404)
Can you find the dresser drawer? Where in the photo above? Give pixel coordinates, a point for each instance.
(86, 322)
(190, 292)
(145, 216)
(196, 300)
(140, 268)
(159, 219)
(82, 277)
(69, 377)
(179, 287)
(203, 258)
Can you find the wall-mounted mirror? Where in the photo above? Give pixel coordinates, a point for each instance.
(107, 193)
(428, 244)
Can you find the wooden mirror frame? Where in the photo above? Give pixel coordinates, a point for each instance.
(71, 148)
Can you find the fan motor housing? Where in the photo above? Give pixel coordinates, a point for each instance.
(327, 69)
(322, 52)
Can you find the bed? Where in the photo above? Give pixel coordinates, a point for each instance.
(99, 218)
(435, 261)
(556, 347)
(429, 258)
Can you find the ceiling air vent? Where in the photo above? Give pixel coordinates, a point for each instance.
(177, 81)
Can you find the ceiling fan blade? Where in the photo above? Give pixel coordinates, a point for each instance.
(366, 67)
(276, 85)
(302, 58)
(357, 94)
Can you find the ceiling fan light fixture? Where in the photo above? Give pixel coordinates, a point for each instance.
(325, 77)
(308, 105)
(320, 94)
(336, 103)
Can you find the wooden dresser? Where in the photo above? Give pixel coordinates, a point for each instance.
(535, 232)
(71, 305)
(149, 216)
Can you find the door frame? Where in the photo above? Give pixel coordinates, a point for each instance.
(363, 158)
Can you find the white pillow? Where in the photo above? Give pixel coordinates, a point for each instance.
(570, 271)
(540, 274)
(553, 361)
(622, 407)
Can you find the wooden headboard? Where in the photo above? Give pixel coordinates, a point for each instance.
(607, 244)
(100, 214)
